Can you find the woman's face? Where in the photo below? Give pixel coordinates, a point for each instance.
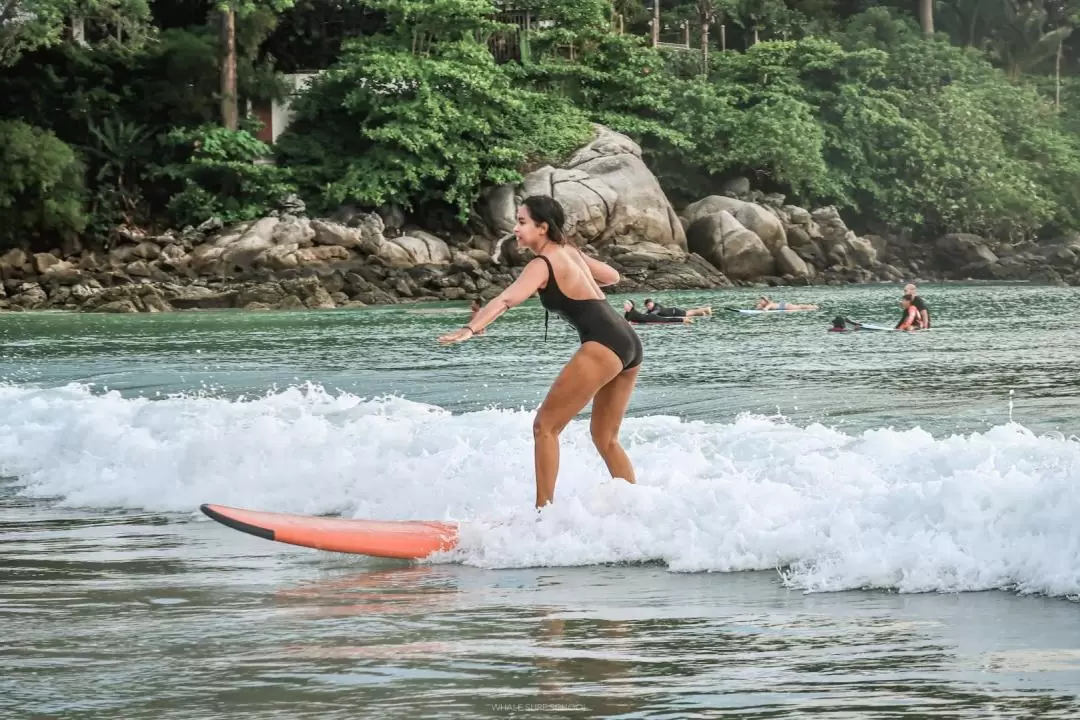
(527, 232)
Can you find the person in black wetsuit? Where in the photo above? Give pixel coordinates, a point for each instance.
(655, 308)
(632, 314)
(604, 369)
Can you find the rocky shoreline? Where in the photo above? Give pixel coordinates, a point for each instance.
(616, 211)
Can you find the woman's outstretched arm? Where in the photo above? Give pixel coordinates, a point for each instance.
(527, 283)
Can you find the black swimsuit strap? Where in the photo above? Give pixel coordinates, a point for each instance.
(551, 278)
(551, 268)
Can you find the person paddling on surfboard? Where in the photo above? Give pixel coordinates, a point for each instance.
(632, 314)
(764, 303)
(604, 368)
(839, 324)
(655, 308)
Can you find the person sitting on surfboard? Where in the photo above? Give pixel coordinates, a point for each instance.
(632, 314)
(764, 303)
(604, 368)
(920, 305)
(910, 319)
(655, 308)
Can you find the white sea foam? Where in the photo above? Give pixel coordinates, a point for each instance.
(832, 511)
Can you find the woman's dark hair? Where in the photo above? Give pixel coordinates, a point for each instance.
(544, 209)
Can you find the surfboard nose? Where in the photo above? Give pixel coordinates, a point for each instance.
(229, 517)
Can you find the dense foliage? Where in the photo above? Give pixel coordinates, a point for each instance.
(422, 114)
(423, 103)
(41, 186)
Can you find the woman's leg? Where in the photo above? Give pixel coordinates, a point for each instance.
(591, 367)
(609, 407)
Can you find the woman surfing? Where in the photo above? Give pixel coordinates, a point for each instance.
(604, 368)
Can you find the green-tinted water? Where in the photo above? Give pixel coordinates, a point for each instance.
(985, 341)
(117, 600)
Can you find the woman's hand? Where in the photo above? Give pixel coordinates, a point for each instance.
(459, 335)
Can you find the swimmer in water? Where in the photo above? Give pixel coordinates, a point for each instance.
(764, 303)
(604, 368)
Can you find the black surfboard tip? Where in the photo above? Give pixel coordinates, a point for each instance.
(209, 511)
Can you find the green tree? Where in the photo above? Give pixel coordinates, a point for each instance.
(28, 25)
(41, 186)
(229, 11)
(422, 114)
(216, 172)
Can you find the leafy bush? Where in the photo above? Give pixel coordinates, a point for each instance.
(894, 128)
(220, 173)
(934, 138)
(41, 186)
(422, 117)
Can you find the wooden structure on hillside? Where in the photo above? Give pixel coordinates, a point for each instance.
(707, 18)
(512, 45)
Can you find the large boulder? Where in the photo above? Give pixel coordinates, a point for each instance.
(423, 248)
(28, 296)
(608, 193)
(757, 219)
(789, 263)
(726, 243)
(291, 230)
(13, 264)
(962, 255)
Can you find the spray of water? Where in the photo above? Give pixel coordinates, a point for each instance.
(883, 508)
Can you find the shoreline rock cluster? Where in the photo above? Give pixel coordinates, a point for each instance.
(616, 210)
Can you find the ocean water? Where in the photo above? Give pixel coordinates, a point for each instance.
(869, 524)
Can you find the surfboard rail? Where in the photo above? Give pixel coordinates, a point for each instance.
(404, 539)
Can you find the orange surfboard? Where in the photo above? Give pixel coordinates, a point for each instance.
(407, 539)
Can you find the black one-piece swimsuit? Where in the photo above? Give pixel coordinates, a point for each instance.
(594, 320)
